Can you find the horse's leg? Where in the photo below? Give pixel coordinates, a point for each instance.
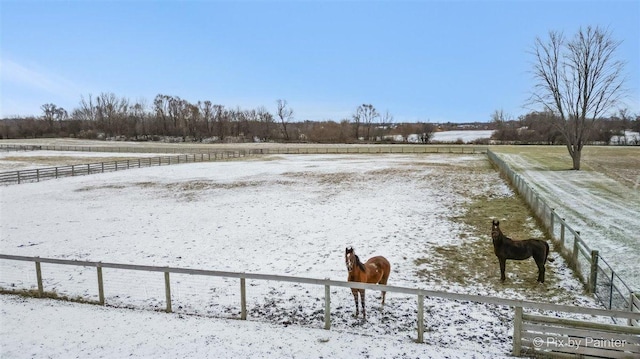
(385, 276)
(364, 314)
(541, 269)
(503, 265)
(355, 298)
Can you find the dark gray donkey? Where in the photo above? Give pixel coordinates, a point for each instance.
(506, 248)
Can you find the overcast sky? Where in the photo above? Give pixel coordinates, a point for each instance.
(431, 61)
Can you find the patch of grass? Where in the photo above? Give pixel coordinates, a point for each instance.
(473, 262)
(619, 163)
(33, 293)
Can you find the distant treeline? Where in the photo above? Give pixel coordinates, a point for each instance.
(108, 116)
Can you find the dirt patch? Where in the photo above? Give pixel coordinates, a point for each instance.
(93, 188)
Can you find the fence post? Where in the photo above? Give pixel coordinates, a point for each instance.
(611, 289)
(327, 306)
(631, 298)
(574, 255)
(420, 318)
(167, 289)
(37, 175)
(243, 299)
(562, 231)
(517, 332)
(552, 215)
(593, 278)
(100, 285)
(39, 279)
(18, 174)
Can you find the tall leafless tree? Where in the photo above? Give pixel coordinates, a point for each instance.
(285, 114)
(578, 81)
(364, 116)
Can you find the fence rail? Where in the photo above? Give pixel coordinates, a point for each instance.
(327, 283)
(39, 174)
(282, 149)
(544, 335)
(598, 276)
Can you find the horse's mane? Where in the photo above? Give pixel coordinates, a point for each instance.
(358, 263)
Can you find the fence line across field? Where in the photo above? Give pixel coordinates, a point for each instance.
(300, 149)
(197, 155)
(588, 264)
(420, 294)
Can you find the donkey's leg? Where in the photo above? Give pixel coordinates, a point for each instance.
(364, 314)
(355, 299)
(503, 265)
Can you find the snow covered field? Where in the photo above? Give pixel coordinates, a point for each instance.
(290, 215)
(464, 136)
(25, 160)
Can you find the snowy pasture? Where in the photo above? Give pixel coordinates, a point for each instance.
(466, 136)
(288, 215)
(602, 204)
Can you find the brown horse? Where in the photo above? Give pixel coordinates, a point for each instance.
(506, 248)
(376, 270)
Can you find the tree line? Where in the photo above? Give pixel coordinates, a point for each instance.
(108, 116)
(542, 128)
(171, 118)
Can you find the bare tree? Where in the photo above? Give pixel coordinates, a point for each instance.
(578, 81)
(86, 111)
(111, 113)
(51, 113)
(426, 131)
(365, 114)
(285, 114)
(266, 122)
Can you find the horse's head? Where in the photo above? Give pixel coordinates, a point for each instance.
(350, 258)
(495, 229)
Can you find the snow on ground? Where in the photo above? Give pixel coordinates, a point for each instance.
(26, 160)
(288, 215)
(602, 209)
(82, 330)
(464, 136)
(629, 138)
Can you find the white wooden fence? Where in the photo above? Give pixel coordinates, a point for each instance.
(560, 337)
(616, 331)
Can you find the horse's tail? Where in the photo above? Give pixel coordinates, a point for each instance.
(546, 255)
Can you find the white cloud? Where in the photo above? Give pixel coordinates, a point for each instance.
(26, 84)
